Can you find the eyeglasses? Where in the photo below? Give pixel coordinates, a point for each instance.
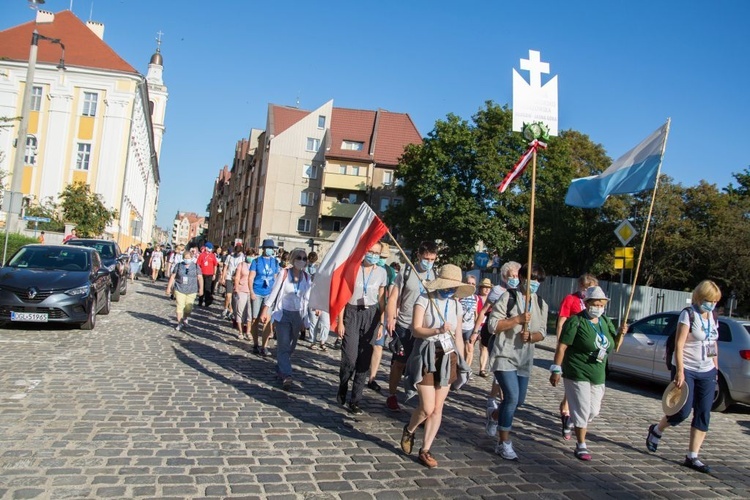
(299, 257)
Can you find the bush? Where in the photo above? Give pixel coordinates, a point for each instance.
(15, 241)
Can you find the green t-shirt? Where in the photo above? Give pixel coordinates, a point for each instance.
(584, 339)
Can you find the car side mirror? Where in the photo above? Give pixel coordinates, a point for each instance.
(103, 271)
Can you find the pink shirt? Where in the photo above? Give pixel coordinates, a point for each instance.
(242, 273)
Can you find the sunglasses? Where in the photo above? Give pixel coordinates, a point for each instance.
(299, 257)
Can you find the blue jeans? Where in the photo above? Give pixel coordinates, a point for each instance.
(514, 394)
(287, 334)
(701, 388)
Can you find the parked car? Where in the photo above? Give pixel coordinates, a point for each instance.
(112, 259)
(643, 354)
(54, 283)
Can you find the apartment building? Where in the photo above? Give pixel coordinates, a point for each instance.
(93, 118)
(186, 226)
(303, 178)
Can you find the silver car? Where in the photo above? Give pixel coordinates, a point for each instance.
(643, 354)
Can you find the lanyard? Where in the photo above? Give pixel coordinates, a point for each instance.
(599, 332)
(365, 281)
(426, 278)
(522, 300)
(295, 284)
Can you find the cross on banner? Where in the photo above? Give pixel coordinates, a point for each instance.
(535, 67)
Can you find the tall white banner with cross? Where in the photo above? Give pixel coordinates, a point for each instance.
(532, 101)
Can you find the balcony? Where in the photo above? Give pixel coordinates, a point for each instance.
(348, 182)
(338, 209)
(329, 235)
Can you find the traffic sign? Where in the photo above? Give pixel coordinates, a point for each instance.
(36, 219)
(624, 257)
(625, 232)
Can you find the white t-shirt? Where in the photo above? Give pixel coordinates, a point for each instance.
(449, 308)
(367, 285)
(702, 337)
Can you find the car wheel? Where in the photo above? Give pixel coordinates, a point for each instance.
(91, 322)
(722, 400)
(116, 292)
(124, 279)
(107, 303)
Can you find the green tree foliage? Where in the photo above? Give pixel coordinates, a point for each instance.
(49, 209)
(85, 209)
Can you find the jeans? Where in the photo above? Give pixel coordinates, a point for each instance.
(319, 327)
(514, 394)
(287, 335)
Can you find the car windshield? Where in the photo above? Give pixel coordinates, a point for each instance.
(68, 259)
(104, 249)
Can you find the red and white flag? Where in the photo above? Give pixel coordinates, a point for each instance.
(519, 167)
(333, 285)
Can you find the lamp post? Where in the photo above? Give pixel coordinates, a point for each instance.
(18, 163)
(220, 209)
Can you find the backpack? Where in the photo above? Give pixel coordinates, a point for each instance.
(512, 299)
(673, 335)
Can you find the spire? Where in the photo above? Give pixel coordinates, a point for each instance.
(156, 58)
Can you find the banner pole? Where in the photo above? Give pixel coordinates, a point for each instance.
(531, 233)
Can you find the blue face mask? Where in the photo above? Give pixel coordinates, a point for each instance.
(513, 282)
(426, 264)
(312, 269)
(534, 286)
(248, 259)
(708, 306)
(270, 252)
(381, 262)
(372, 258)
(447, 293)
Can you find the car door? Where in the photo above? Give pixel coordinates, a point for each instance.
(639, 348)
(101, 281)
(660, 372)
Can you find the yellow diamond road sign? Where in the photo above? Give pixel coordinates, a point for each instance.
(625, 232)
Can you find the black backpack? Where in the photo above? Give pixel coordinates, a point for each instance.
(673, 335)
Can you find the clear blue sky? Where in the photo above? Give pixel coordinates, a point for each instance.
(623, 68)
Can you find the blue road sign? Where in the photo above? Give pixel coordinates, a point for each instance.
(36, 219)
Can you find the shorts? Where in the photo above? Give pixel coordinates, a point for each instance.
(486, 337)
(407, 341)
(184, 301)
(467, 334)
(229, 285)
(256, 304)
(383, 338)
(432, 379)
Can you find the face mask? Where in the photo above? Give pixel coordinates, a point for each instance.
(312, 269)
(708, 306)
(447, 293)
(372, 259)
(426, 264)
(299, 264)
(513, 282)
(248, 259)
(534, 286)
(594, 312)
(270, 252)
(381, 262)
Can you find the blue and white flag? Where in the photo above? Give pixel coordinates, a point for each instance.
(634, 171)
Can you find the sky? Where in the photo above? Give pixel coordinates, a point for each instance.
(623, 68)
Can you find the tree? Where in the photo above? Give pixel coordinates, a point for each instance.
(49, 209)
(85, 209)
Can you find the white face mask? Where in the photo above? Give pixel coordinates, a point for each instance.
(594, 312)
(300, 264)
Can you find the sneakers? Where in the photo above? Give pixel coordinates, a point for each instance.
(695, 464)
(341, 395)
(373, 385)
(582, 453)
(652, 439)
(337, 344)
(287, 384)
(178, 327)
(264, 352)
(567, 426)
(354, 409)
(392, 403)
(490, 428)
(426, 459)
(407, 440)
(256, 350)
(505, 450)
(185, 322)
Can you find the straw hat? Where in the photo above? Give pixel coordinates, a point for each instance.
(385, 250)
(594, 293)
(674, 399)
(450, 277)
(485, 283)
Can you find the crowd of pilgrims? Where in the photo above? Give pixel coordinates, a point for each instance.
(433, 322)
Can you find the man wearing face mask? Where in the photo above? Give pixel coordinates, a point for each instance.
(262, 276)
(570, 306)
(187, 282)
(407, 288)
(357, 323)
(517, 326)
(227, 278)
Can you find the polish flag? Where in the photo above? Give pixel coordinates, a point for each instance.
(333, 285)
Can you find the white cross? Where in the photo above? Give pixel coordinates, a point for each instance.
(159, 34)
(535, 67)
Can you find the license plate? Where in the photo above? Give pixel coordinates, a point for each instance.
(34, 317)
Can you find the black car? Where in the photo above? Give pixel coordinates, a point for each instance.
(54, 283)
(112, 259)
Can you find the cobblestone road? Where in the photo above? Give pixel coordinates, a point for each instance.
(136, 409)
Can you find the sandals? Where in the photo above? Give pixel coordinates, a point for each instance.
(567, 429)
(582, 453)
(323, 346)
(652, 440)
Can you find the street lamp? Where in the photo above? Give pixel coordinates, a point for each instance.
(24, 125)
(220, 209)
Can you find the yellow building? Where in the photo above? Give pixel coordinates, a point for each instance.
(97, 120)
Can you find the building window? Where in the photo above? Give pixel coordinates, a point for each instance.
(384, 204)
(313, 144)
(342, 169)
(36, 99)
(303, 225)
(337, 225)
(353, 198)
(89, 103)
(353, 145)
(355, 170)
(310, 172)
(306, 199)
(321, 121)
(30, 156)
(83, 157)
(387, 177)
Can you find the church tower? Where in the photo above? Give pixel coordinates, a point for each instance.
(158, 95)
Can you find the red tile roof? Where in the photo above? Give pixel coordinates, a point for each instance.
(390, 132)
(82, 47)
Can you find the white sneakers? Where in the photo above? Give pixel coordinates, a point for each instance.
(505, 450)
(491, 426)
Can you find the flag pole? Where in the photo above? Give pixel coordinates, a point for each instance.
(531, 234)
(621, 334)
